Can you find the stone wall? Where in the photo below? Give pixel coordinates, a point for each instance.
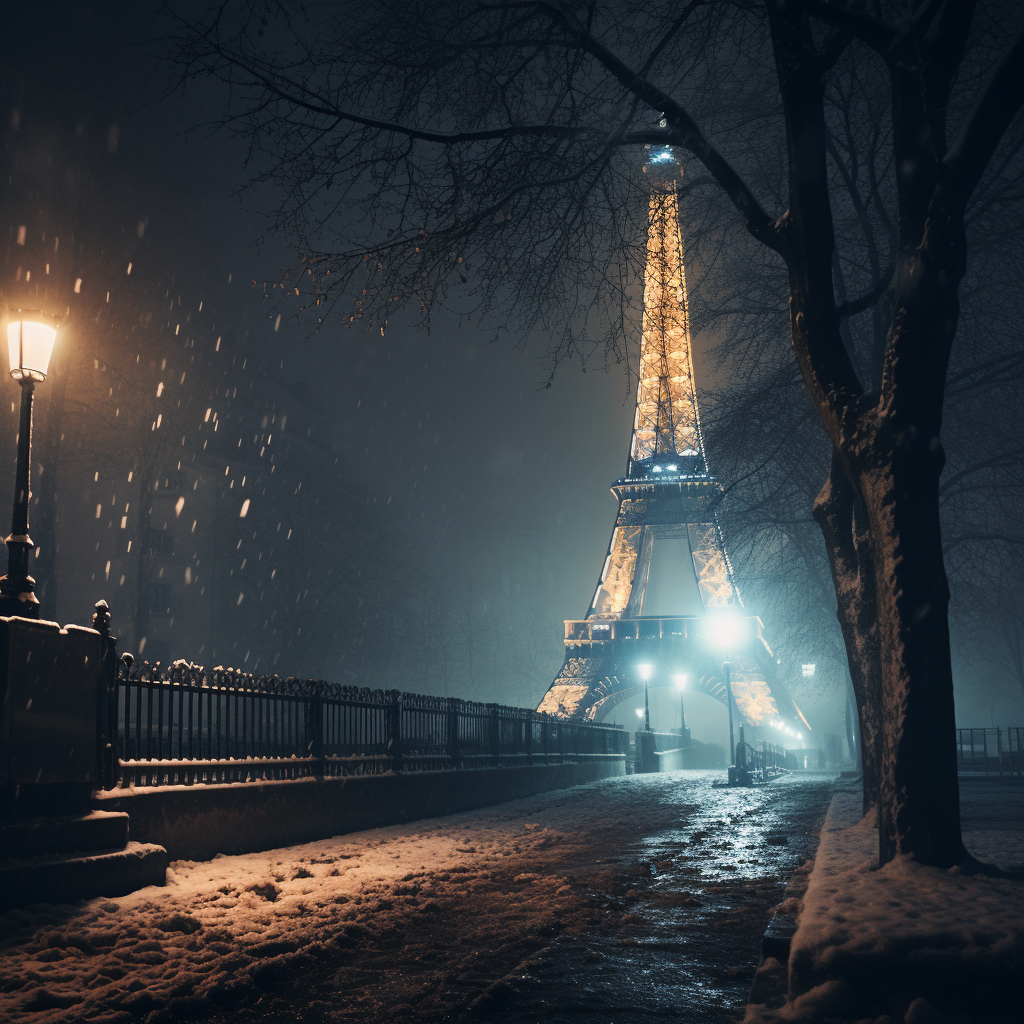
(198, 822)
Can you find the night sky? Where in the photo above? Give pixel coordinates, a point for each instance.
(488, 487)
(455, 434)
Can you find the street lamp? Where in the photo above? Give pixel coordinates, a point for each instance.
(645, 674)
(725, 630)
(680, 681)
(30, 338)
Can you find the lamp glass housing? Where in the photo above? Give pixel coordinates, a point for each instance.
(645, 671)
(680, 680)
(31, 335)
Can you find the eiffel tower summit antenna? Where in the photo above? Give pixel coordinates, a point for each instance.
(667, 501)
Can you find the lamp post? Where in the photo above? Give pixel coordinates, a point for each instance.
(680, 679)
(725, 630)
(645, 674)
(30, 338)
(727, 671)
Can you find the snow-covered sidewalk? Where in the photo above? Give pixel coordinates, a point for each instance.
(906, 940)
(635, 894)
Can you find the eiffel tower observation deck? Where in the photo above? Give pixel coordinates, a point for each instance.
(667, 555)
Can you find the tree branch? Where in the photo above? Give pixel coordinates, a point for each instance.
(314, 103)
(868, 299)
(970, 538)
(685, 131)
(995, 107)
(875, 31)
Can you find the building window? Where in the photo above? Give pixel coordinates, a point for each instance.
(173, 482)
(161, 542)
(160, 599)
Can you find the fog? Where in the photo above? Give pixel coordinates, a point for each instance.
(416, 509)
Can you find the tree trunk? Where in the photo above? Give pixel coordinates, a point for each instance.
(919, 805)
(853, 729)
(841, 516)
(886, 561)
(898, 460)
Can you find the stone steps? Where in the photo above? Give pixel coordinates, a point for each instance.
(63, 878)
(82, 833)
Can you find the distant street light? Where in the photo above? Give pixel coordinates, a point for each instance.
(639, 712)
(30, 338)
(680, 681)
(645, 674)
(807, 671)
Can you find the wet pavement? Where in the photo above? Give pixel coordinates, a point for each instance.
(636, 899)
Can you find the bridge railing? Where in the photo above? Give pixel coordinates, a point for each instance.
(990, 751)
(184, 724)
(764, 761)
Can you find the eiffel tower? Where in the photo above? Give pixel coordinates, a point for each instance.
(666, 518)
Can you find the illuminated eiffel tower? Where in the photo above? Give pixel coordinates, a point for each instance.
(667, 523)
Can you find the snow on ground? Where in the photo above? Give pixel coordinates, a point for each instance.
(491, 904)
(906, 939)
(203, 931)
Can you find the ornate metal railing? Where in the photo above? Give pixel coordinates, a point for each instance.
(184, 724)
(994, 751)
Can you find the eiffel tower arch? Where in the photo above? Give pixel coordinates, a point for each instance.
(666, 545)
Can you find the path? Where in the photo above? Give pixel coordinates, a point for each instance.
(634, 899)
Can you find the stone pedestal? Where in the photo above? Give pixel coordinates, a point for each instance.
(50, 681)
(53, 846)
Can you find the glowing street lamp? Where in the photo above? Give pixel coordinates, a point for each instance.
(680, 680)
(645, 674)
(31, 335)
(725, 630)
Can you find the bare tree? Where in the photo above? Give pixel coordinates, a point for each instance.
(773, 481)
(495, 145)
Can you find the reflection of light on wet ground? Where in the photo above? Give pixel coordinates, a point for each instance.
(697, 909)
(637, 899)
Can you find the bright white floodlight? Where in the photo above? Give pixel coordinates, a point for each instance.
(807, 671)
(639, 712)
(724, 628)
(645, 671)
(680, 680)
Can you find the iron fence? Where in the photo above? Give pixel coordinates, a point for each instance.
(995, 751)
(765, 761)
(185, 724)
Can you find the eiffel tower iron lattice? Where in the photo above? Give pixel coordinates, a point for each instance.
(667, 497)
